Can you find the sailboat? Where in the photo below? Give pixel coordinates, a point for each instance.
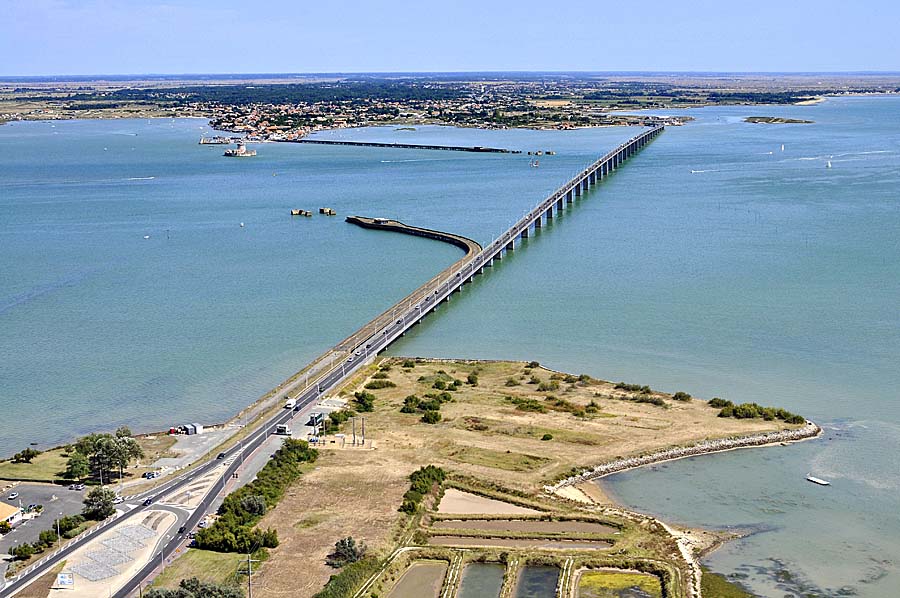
(828, 165)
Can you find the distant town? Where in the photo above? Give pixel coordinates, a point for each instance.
(287, 108)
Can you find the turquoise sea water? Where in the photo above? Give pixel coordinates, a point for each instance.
(762, 276)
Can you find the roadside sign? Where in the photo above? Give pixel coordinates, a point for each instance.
(65, 580)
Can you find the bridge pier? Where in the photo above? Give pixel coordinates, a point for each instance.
(584, 184)
(559, 204)
(569, 196)
(591, 177)
(537, 222)
(511, 246)
(549, 214)
(577, 189)
(525, 233)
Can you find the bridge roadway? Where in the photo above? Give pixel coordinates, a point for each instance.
(338, 374)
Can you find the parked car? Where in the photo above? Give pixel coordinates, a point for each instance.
(118, 500)
(79, 487)
(13, 496)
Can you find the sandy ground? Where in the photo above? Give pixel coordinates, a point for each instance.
(421, 580)
(349, 493)
(524, 525)
(456, 502)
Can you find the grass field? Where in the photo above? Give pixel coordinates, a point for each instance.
(46, 467)
(50, 465)
(610, 584)
(205, 565)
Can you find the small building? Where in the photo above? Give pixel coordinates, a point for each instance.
(198, 428)
(10, 514)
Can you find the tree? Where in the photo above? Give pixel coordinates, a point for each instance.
(22, 552)
(5, 527)
(26, 455)
(254, 504)
(77, 467)
(346, 551)
(98, 504)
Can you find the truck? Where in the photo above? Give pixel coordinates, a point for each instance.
(283, 430)
(290, 403)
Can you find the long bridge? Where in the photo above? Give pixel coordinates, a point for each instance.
(378, 335)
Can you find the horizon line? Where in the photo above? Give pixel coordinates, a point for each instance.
(133, 76)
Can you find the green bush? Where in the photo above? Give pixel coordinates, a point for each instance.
(380, 375)
(408, 364)
(365, 401)
(527, 404)
(548, 386)
(547, 437)
(532, 364)
(719, 403)
(681, 396)
(472, 379)
(431, 417)
(512, 382)
(379, 384)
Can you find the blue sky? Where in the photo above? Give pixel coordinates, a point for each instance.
(46, 37)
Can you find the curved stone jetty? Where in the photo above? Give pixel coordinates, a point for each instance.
(701, 448)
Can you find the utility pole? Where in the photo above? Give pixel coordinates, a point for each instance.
(250, 575)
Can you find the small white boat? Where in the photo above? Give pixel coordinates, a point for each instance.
(782, 147)
(242, 225)
(819, 481)
(146, 236)
(828, 165)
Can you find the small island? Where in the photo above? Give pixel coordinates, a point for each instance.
(776, 120)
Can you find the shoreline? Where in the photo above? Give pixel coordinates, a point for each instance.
(810, 430)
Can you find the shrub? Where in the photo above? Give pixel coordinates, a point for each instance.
(350, 579)
(719, 403)
(379, 384)
(681, 396)
(439, 385)
(380, 375)
(548, 386)
(365, 401)
(421, 483)
(431, 417)
(512, 382)
(5, 527)
(547, 437)
(408, 364)
(472, 379)
(410, 404)
(98, 504)
(346, 551)
(532, 364)
(527, 404)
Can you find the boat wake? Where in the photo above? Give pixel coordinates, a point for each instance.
(141, 178)
(411, 160)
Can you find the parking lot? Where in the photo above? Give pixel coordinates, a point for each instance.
(55, 499)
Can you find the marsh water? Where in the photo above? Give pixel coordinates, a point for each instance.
(713, 262)
(481, 580)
